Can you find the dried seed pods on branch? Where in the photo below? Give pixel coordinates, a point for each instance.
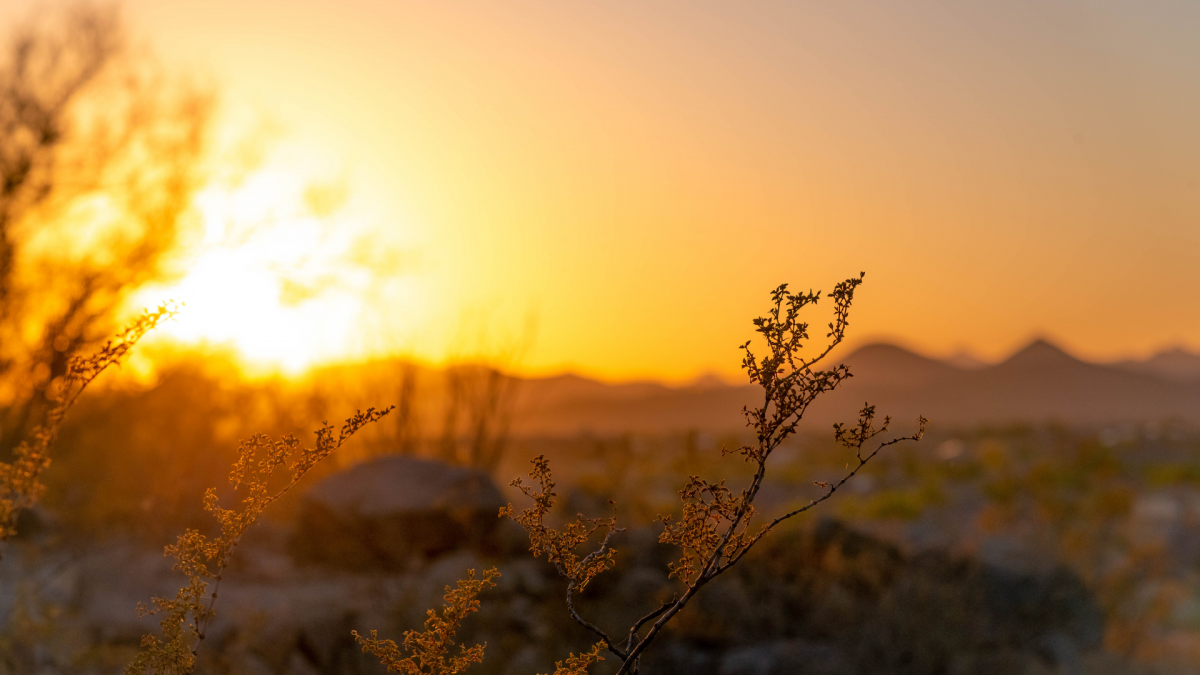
(714, 530)
(20, 479)
(203, 559)
(428, 650)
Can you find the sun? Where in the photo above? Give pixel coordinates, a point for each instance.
(279, 275)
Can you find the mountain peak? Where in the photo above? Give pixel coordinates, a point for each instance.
(887, 364)
(1175, 363)
(884, 350)
(708, 381)
(1040, 352)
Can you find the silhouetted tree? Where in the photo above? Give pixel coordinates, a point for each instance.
(479, 398)
(99, 158)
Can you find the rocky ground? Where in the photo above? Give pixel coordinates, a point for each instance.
(368, 551)
(828, 600)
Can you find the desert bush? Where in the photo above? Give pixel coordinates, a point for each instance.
(714, 531)
(460, 413)
(478, 405)
(175, 439)
(203, 559)
(99, 158)
(20, 479)
(428, 649)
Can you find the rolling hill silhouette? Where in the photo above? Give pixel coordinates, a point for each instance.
(1039, 383)
(1175, 364)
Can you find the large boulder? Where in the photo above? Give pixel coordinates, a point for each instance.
(386, 513)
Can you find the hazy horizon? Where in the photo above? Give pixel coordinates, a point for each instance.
(620, 186)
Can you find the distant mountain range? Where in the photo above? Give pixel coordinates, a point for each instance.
(1040, 383)
(1175, 364)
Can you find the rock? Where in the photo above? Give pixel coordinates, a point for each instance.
(384, 514)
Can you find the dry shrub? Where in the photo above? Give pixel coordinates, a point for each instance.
(714, 530)
(428, 649)
(20, 479)
(203, 560)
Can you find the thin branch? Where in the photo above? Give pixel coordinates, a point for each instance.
(201, 559)
(713, 530)
(571, 592)
(832, 488)
(649, 617)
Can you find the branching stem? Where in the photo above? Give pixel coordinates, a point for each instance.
(713, 531)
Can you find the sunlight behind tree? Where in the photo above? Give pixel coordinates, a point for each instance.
(99, 157)
(285, 272)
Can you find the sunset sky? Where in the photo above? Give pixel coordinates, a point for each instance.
(620, 184)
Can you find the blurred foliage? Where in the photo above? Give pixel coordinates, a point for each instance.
(150, 447)
(1123, 516)
(21, 486)
(100, 155)
(264, 471)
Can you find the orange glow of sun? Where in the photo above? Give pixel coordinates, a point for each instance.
(281, 273)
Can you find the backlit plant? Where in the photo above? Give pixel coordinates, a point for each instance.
(203, 559)
(20, 479)
(715, 530)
